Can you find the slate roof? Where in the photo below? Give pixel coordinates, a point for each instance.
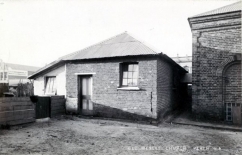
(229, 8)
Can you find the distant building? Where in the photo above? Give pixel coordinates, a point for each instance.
(15, 73)
(184, 61)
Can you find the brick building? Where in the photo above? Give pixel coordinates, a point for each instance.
(216, 64)
(119, 77)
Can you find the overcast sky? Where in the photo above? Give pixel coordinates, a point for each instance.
(38, 32)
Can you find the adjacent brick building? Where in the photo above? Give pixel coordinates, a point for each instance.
(119, 77)
(216, 64)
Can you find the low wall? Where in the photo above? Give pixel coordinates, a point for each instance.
(57, 105)
(16, 110)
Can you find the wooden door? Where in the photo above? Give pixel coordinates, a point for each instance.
(43, 107)
(86, 105)
(237, 114)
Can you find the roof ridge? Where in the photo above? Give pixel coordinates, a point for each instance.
(217, 9)
(65, 56)
(144, 43)
(113, 37)
(96, 50)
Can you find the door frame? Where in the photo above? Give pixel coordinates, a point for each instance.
(224, 78)
(79, 108)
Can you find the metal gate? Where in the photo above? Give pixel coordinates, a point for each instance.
(43, 107)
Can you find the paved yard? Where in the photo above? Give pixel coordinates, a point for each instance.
(73, 135)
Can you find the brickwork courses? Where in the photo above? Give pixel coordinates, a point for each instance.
(155, 81)
(216, 64)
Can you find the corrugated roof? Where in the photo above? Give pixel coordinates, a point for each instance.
(46, 67)
(117, 46)
(22, 67)
(120, 45)
(229, 8)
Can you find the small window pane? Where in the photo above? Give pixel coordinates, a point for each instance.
(125, 67)
(89, 86)
(134, 82)
(125, 75)
(90, 105)
(135, 75)
(131, 67)
(130, 75)
(84, 86)
(84, 104)
(130, 82)
(50, 85)
(135, 69)
(125, 82)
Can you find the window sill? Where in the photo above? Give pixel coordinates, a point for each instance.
(128, 88)
(49, 94)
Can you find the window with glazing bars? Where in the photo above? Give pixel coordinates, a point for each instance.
(50, 87)
(228, 111)
(129, 74)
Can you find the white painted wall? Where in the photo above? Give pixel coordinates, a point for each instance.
(60, 74)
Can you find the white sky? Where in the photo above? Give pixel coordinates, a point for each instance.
(37, 32)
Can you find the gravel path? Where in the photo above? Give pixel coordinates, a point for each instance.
(73, 135)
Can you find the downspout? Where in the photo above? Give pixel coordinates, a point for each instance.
(151, 109)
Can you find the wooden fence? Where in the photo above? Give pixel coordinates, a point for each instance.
(16, 110)
(57, 105)
(20, 110)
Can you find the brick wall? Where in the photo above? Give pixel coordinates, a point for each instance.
(16, 110)
(216, 44)
(164, 87)
(108, 100)
(171, 92)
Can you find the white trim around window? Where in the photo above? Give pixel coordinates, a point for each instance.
(85, 73)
